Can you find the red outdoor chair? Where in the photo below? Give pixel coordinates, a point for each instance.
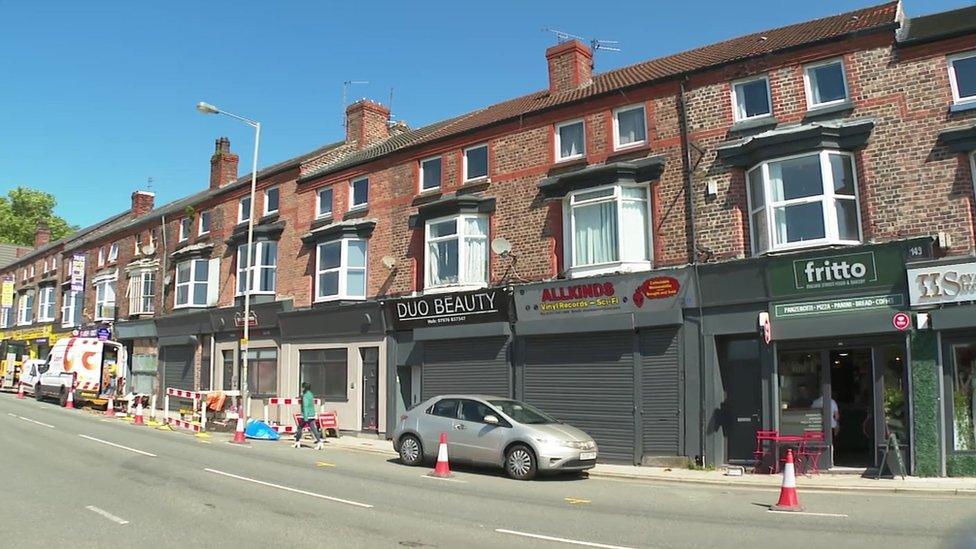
(758, 455)
(812, 447)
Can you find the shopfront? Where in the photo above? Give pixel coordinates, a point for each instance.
(139, 338)
(944, 295)
(180, 337)
(826, 352)
(341, 351)
(451, 343)
(606, 354)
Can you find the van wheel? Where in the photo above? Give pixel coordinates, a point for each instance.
(63, 398)
(37, 392)
(520, 463)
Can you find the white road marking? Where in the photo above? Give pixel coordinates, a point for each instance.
(289, 489)
(560, 540)
(442, 478)
(107, 515)
(118, 445)
(11, 414)
(34, 421)
(835, 515)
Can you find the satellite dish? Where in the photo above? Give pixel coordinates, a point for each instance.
(148, 249)
(501, 246)
(389, 262)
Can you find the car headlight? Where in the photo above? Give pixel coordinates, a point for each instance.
(567, 443)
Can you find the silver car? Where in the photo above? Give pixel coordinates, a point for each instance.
(487, 430)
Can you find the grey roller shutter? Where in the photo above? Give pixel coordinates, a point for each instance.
(659, 390)
(586, 380)
(178, 367)
(466, 366)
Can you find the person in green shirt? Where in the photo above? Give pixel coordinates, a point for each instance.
(308, 418)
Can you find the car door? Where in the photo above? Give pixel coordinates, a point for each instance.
(482, 441)
(439, 418)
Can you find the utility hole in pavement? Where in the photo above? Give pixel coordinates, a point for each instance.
(413, 544)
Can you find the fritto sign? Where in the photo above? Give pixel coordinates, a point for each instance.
(901, 321)
(836, 271)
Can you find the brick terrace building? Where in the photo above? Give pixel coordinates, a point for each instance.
(612, 248)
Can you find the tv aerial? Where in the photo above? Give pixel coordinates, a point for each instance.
(595, 44)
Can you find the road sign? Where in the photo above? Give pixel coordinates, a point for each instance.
(901, 321)
(103, 333)
(239, 319)
(243, 344)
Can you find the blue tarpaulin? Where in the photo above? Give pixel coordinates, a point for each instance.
(260, 430)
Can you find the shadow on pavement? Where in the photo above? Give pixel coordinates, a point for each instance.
(500, 473)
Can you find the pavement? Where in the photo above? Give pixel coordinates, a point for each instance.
(77, 478)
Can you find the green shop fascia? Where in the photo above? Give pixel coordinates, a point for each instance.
(943, 295)
(813, 342)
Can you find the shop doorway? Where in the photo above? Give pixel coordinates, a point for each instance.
(740, 414)
(851, 412)
(371, 401)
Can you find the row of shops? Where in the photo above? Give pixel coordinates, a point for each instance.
(661, 366)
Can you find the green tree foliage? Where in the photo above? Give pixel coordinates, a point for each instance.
(20, 212)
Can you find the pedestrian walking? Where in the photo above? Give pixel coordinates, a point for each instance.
(308, 418)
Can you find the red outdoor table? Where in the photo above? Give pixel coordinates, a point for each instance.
(781, 441)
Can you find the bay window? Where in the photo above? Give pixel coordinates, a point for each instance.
(142, 293)
(105, 299)
(802, 201)
(258, 274)
(45, 308)
(341, 269)
(71, 307)
(609, 229)
(193, 283)
(457, 251)
(25, 308)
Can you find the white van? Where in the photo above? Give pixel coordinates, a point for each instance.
(30, 373)
(84, 365)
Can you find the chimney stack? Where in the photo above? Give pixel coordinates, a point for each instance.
(366, 123)
(142, 203)
(42, 235)
(570, 66)
(223, 164)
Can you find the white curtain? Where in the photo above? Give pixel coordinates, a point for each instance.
(476, 250)
(634, 222)
(595, 233)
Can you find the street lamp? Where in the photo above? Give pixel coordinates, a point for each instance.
(207, 108)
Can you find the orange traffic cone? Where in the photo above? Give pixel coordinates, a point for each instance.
(70, 404)
(139, 420)
(239, 432)
(443, 468)
(110, 407)
(20, 391)
(788, 500)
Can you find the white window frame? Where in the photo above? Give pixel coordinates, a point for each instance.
(46, 299)
(32, 273)
(558, 141)
(464, 162)
(25, 315)
(420, 180)
(137, 244)
(209, 214)
(104, 284)
(343, 269)
(184, 229)
(809, 90)
(267, 210)
(4, 317)
(616, 126)
(113, 252)
(240, 209)
(190, 284)
(740, 116)
(352, 194)
(319, 214)
(101, 256)
(569, 223)
(826, 198)
(68, 308)
(23, 274)
(462, 251)
(953, 83)
(137, 295)
(255, 269)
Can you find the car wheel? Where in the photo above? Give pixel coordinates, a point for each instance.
(37, 392)
(520, 463)
(411, 452)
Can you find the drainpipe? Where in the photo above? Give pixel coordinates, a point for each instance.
(686, 165)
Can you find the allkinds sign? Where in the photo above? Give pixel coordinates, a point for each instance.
(942, 284)
(880, 267)
(489, 305)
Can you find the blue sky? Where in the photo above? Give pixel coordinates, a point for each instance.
(96, 97)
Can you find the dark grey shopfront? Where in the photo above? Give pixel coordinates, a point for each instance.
(592, 353)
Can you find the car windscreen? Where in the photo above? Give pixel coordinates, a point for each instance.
(522, 412)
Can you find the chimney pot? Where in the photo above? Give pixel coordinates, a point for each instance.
(366, 123)
(570, 66)
(42, 235)
(223, 164)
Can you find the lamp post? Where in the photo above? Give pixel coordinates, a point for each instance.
(207, 108)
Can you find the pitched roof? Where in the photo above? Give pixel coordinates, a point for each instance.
(937, 26)
(866, 20)
(64, 240)
(8, 253)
